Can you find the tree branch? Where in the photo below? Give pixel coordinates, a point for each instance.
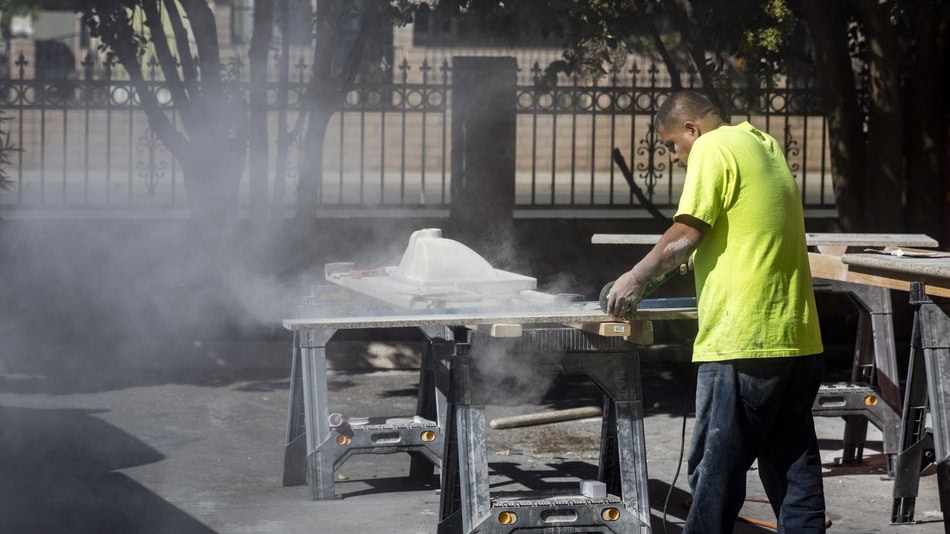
(257, 114)
(188, 69)
(165, 59)
(680, 16)
(839, 94)
(113, 26)
(206, 41)
(166, 132)
(354, 57)
(665, 56)
(886, 115)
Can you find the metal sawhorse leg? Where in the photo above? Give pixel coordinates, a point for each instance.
(928, 384)
(873, 393)
(319, 442)
(477, 370)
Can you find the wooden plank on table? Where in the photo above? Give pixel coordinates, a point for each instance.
(833, 250)
(606, 329)
(498, 329)
(638, 332)
(832, 268)
(641, 333)
(827, 266)
(898, 281)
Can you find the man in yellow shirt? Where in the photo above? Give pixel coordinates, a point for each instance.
(758, 343)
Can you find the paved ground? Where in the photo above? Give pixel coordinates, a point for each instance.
(181, 449)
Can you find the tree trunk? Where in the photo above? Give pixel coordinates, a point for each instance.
(885, 165)
(211, 173)
(828, 25)
(283, 135)
(310, 188)
(319, 101)
(927, 136)
(257, 131)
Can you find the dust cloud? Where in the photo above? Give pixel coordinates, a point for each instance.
(96, 294)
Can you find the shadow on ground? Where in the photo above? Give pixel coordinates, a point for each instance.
(57, 474)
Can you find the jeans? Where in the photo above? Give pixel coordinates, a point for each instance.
(756, 409)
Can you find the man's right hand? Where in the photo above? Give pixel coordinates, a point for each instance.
(625, 294)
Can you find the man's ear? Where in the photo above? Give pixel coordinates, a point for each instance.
(692, 128)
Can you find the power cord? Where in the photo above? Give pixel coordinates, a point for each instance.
(679, 462)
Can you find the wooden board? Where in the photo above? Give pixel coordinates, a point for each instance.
(883, 271)
(498, 330)
(639, 332)
(611, 329)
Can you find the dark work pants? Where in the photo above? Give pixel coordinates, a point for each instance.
(756, 409)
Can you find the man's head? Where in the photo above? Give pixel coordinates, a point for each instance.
(681, 119)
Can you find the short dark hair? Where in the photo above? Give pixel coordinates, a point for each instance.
(683, 106)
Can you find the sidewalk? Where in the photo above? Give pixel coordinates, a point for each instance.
(200, 450)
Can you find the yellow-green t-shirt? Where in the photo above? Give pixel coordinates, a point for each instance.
(753, 283)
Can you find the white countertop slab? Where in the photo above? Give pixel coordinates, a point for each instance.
(589, 313)
(823, 239)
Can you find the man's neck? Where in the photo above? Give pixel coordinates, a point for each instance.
(710, 122)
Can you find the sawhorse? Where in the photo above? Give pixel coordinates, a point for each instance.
(475, 372)
(928, 384)
(873, 393)
(319, 442)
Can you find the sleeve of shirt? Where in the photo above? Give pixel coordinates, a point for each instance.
(703, 190)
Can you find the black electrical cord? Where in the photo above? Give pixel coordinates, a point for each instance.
(679, 462)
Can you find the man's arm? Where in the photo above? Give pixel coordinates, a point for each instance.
(672, 250)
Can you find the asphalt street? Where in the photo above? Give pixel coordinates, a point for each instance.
(185, 445)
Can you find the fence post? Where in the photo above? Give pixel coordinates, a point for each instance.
(483, 152)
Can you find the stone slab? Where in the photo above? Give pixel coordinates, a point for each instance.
(931, 268)
(587, 313)
(814, 239)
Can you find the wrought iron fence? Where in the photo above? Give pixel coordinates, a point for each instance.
(86, 143)
(391, 142)
(567, 134)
